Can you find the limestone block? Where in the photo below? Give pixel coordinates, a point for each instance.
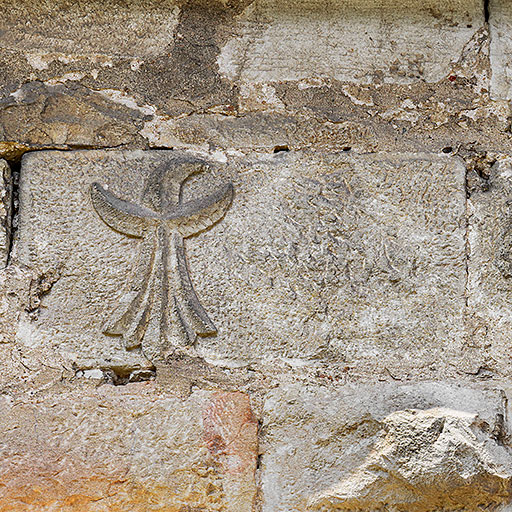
(490, 270)
(126, 448)
(500, 25)
(419, 447)
(74, 229)
(361, 41)
(5, 210)
(51, 33)
(339, 258)
(320, 257)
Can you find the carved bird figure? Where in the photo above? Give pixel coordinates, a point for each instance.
(159, 307)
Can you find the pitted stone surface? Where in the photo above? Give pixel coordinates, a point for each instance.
(490, 269)
(48, 33)
(366, 240)
(127, 448)
(418, 447)
(500, 23)
(338, 258)
(61, 233)
(358, 41)
(335, 257)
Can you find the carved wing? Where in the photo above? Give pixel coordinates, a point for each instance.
(197, 215)
(123, 216)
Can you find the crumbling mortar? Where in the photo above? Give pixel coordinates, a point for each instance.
(12, 210)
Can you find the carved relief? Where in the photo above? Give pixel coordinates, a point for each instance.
(159, 308)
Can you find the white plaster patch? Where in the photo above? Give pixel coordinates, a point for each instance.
(128, 101)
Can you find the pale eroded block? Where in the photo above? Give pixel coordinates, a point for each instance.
(421, 447)
(341, 258)
(88, 33)
(334, 257)
(364, 41)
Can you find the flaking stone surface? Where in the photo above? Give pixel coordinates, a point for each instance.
(391, 447)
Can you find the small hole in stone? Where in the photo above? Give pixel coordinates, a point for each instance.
(447, 149)
(347, 148)
(278, 149)
(469, 26)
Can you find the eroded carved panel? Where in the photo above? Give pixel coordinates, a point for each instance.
(160, 308)
(334, 260)
(114, 224)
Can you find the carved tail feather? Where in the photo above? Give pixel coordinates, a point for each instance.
(192, 315)
(130, 321)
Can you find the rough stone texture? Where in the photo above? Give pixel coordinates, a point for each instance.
(109, 448)
(85, 262)
(63, 115)
(341, 262)
(62, 34)
(489, 285)
(421, 447)
(6, 204)
(360, 41)
(500, 23)
(424, 84)
(346, 258)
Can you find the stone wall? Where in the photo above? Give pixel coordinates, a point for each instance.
(256, 255)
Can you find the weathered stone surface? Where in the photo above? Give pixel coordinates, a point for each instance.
(67, 115)
(366, 238)
(489, 266)
(17, 295)
(5, 210)
(165, 88)
(58, 32)
(86, 249)
(500, 23)
(362, 41)
(86, 448)
(421, 447)
(339, 258)
(333, 258)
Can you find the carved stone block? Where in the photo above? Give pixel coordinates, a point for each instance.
(332, 259)
(122, 295)
(127, 448)
(338, 259)
(386, 447)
